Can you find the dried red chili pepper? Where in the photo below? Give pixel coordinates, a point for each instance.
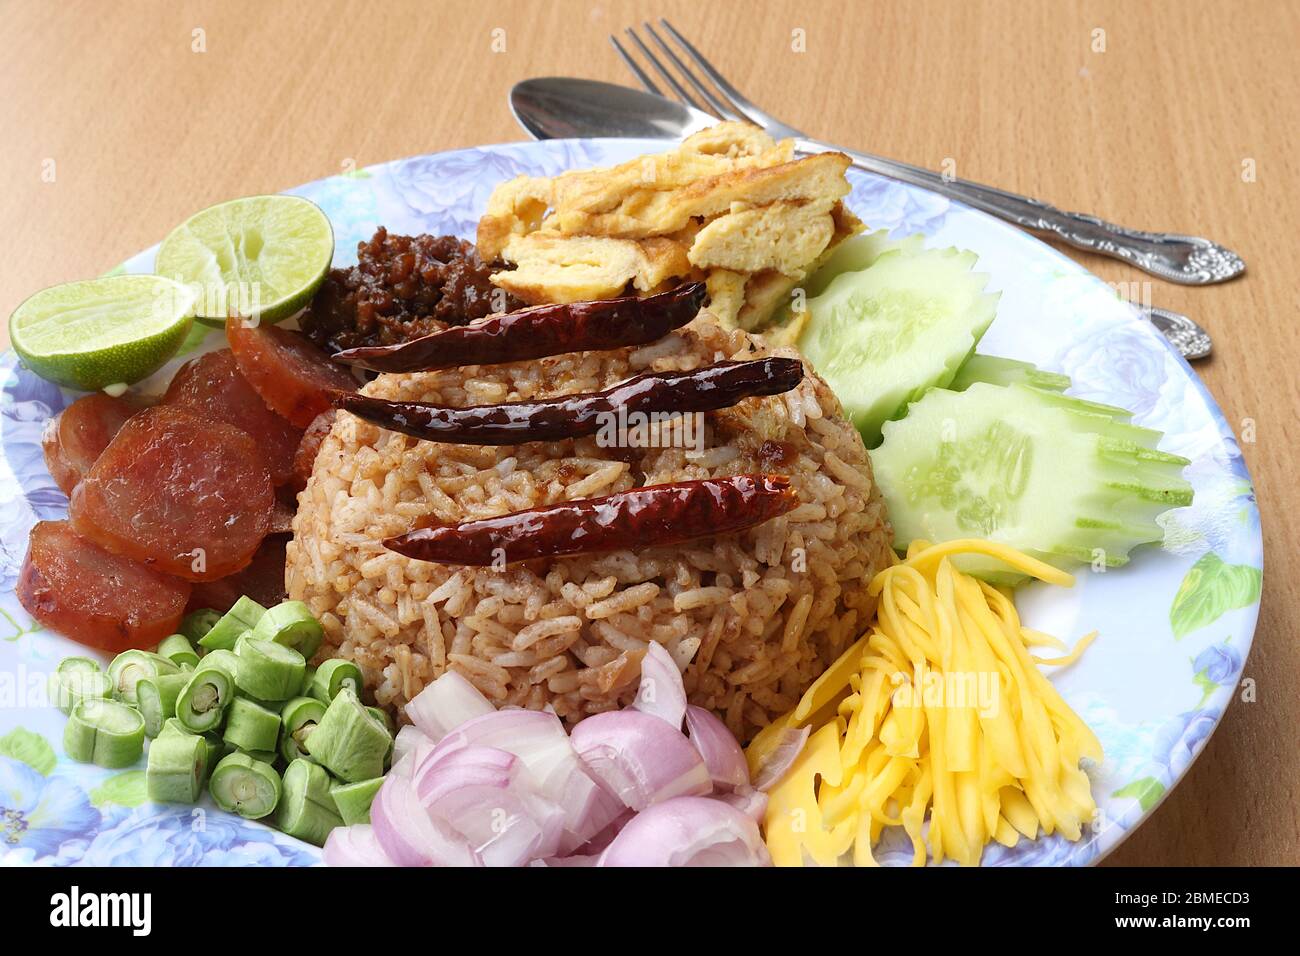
(649, 517)
(572, 416)
(538, 332)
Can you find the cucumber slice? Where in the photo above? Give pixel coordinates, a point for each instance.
(1062, 479)
(996, 370)
(883, 335)
(858, 253)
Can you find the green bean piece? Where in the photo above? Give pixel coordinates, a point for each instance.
(335, 675)
(177, 766)
(381, 715)
(241, 784)
(196, 624)
(306, 810)
(269, 671)
(128, 667)
(106, 733)
(293, 625)
(266, 756)
(156, 699)
(76, 679)
(204, 699)
(348, 742)
(179, 651)
(172, 725)
(212, 743)
(243, 616)
(308, 676)
(300, 717)
(250, 727)
(216, 747)
(353, 799)
(225, 661)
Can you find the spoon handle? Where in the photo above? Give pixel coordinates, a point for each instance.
(1188, 260)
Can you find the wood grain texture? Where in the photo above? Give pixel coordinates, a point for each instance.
(1154, 131)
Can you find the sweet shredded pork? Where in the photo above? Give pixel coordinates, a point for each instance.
(401, 288)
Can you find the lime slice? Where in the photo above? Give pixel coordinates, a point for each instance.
(261, 257)
(100, 332)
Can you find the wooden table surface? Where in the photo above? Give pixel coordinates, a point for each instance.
(121, 120)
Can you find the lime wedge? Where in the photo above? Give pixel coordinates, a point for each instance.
(261, 257)
(100, 332)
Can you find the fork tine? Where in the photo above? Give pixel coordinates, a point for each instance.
(746, 108)
(723, 109)
(663, 71)
(641, 76)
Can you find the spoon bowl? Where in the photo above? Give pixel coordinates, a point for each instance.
(558, 107)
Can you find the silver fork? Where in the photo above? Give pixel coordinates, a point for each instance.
(1186, 259)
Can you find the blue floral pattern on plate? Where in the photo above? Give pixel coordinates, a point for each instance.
(1153, 699)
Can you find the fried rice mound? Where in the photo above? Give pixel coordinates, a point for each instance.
(751, 618)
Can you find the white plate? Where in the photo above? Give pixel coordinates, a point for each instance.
(1175, 625)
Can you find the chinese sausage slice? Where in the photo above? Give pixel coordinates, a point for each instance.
(74, 438)
(184, 494)
(291, 374)
(100, 599)
(212, 385)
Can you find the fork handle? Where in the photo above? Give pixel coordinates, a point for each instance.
(1188, 260)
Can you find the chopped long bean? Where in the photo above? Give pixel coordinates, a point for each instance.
(250, 727)
(242, 616)
(156, 699)
(196, 624)
(203, 700)
(269, 671)
(106, 733)
(353, 799)
(225, 661)
(176, 769)
(129, 667)
(299, 717)
(381, 715)
(179, 651)
(333, 676)
(291, 624)
(216, 748)
(244, 785)
(77, 679)
(349, 742)
(173, 725)
(306, 809)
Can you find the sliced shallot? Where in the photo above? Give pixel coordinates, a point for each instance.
(539, 740)
(722, 755)
(688, 831)
(409, 836)
(410, 747)
(447, 703)
(661, 692)
(640, 758)
(751, 802)
(484, 795)
(354, 846)
(475, 786)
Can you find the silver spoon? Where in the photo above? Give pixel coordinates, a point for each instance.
(556, 107)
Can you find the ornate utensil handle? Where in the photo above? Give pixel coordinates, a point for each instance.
(1189, 260)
